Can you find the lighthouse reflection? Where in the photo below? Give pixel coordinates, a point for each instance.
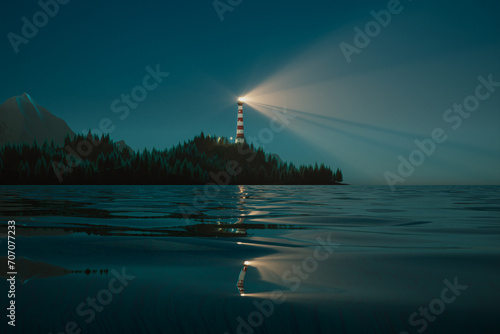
(232, 222)
(241, 278)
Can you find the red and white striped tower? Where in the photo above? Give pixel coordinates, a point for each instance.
(240, 136)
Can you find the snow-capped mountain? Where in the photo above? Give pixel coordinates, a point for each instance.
(22, 120)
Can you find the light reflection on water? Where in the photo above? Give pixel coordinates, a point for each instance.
(394, 250)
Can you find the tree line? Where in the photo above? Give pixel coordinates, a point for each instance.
(192, 162)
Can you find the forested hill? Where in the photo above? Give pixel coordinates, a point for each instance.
(92, 160)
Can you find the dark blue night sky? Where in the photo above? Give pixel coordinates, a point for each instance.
(358, 115)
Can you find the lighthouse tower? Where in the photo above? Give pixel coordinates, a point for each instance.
(240, 136)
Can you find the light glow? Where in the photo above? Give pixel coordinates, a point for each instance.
(241, 99)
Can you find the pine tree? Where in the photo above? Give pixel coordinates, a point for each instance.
(338, 176)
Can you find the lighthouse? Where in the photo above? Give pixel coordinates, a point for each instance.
(240, 136)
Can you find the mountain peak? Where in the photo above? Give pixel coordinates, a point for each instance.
(22, 120)
(24, 95)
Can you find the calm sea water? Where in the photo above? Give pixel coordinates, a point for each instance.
(321, 259)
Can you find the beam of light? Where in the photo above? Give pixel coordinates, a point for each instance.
(365, 113)
(379, 137)
(306, 88)
(397, 134)
(358, 131)
(252, 244)
(272, 268)
(303, 128)
(332, 116)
